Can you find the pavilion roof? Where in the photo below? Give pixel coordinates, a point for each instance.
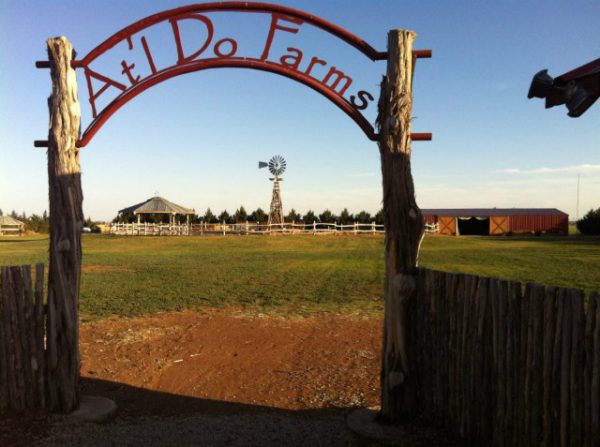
(157, 205)
(7, 220)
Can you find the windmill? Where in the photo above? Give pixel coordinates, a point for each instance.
(276, 165)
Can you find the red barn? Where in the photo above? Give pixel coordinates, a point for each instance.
(492, 221)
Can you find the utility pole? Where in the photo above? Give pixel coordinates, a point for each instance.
(577, 207)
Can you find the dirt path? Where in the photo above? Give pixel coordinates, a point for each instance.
(302, 363)
(221, 378)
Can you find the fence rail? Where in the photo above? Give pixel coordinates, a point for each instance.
(245, 228)
(10, 230)
(505, 366)
(150, 229)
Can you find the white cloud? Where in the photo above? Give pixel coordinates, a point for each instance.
(584, 168)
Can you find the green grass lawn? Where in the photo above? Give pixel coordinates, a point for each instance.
(291, 275)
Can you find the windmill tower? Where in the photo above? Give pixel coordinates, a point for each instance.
(276, 166)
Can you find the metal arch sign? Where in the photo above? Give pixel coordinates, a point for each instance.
(223, 53)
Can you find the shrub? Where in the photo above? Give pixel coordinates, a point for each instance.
(590, 223)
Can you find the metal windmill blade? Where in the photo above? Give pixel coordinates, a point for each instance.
(277, 165)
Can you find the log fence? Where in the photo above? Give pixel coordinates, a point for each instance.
(506, 365)
(23, 380)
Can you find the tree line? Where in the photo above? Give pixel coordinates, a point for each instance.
(589, 224)
(37, 223)
(260, 216)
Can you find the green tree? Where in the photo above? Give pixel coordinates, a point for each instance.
(240, 215)
(327, 217)
(590, 223)
(363, 217)
(224, 216)
(88, 222)
(310, 217)
(345, 217)
(258, 216)
(1, 213)
(293, 216)
(195, 218)
(379, 219)
(209, 217)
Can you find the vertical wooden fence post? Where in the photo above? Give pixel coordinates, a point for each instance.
(66, 222)
(404, 226)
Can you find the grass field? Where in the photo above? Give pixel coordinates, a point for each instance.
(291, 275)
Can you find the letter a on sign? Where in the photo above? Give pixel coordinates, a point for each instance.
(108, 82)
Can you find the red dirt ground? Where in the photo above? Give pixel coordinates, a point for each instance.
(222, 355)
(222, 378)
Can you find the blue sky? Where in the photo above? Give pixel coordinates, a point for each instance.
(196, 138)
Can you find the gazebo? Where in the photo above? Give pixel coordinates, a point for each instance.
(10, 225)
(158, 205)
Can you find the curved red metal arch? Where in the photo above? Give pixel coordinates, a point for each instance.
(337, 31)
(257, 64)
(204, 64)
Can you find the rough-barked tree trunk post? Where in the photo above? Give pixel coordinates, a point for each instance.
(66, 222)
(404, 228)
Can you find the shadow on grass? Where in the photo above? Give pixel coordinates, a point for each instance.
(21, 241)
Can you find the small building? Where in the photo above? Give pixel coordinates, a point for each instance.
(10, 225)
(158, 205)
(496, 221)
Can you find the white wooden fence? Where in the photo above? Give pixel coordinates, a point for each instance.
(245, 228)
(4, 229)
(150, 229)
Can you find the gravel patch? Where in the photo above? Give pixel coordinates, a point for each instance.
(259, 429)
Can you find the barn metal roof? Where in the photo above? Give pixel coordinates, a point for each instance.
(157, 205)
(486, 212)
(7, 220)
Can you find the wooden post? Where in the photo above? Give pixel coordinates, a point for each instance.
(66, 223)
(404, 226)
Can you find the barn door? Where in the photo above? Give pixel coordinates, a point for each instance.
(447, 225)
(498, 224)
